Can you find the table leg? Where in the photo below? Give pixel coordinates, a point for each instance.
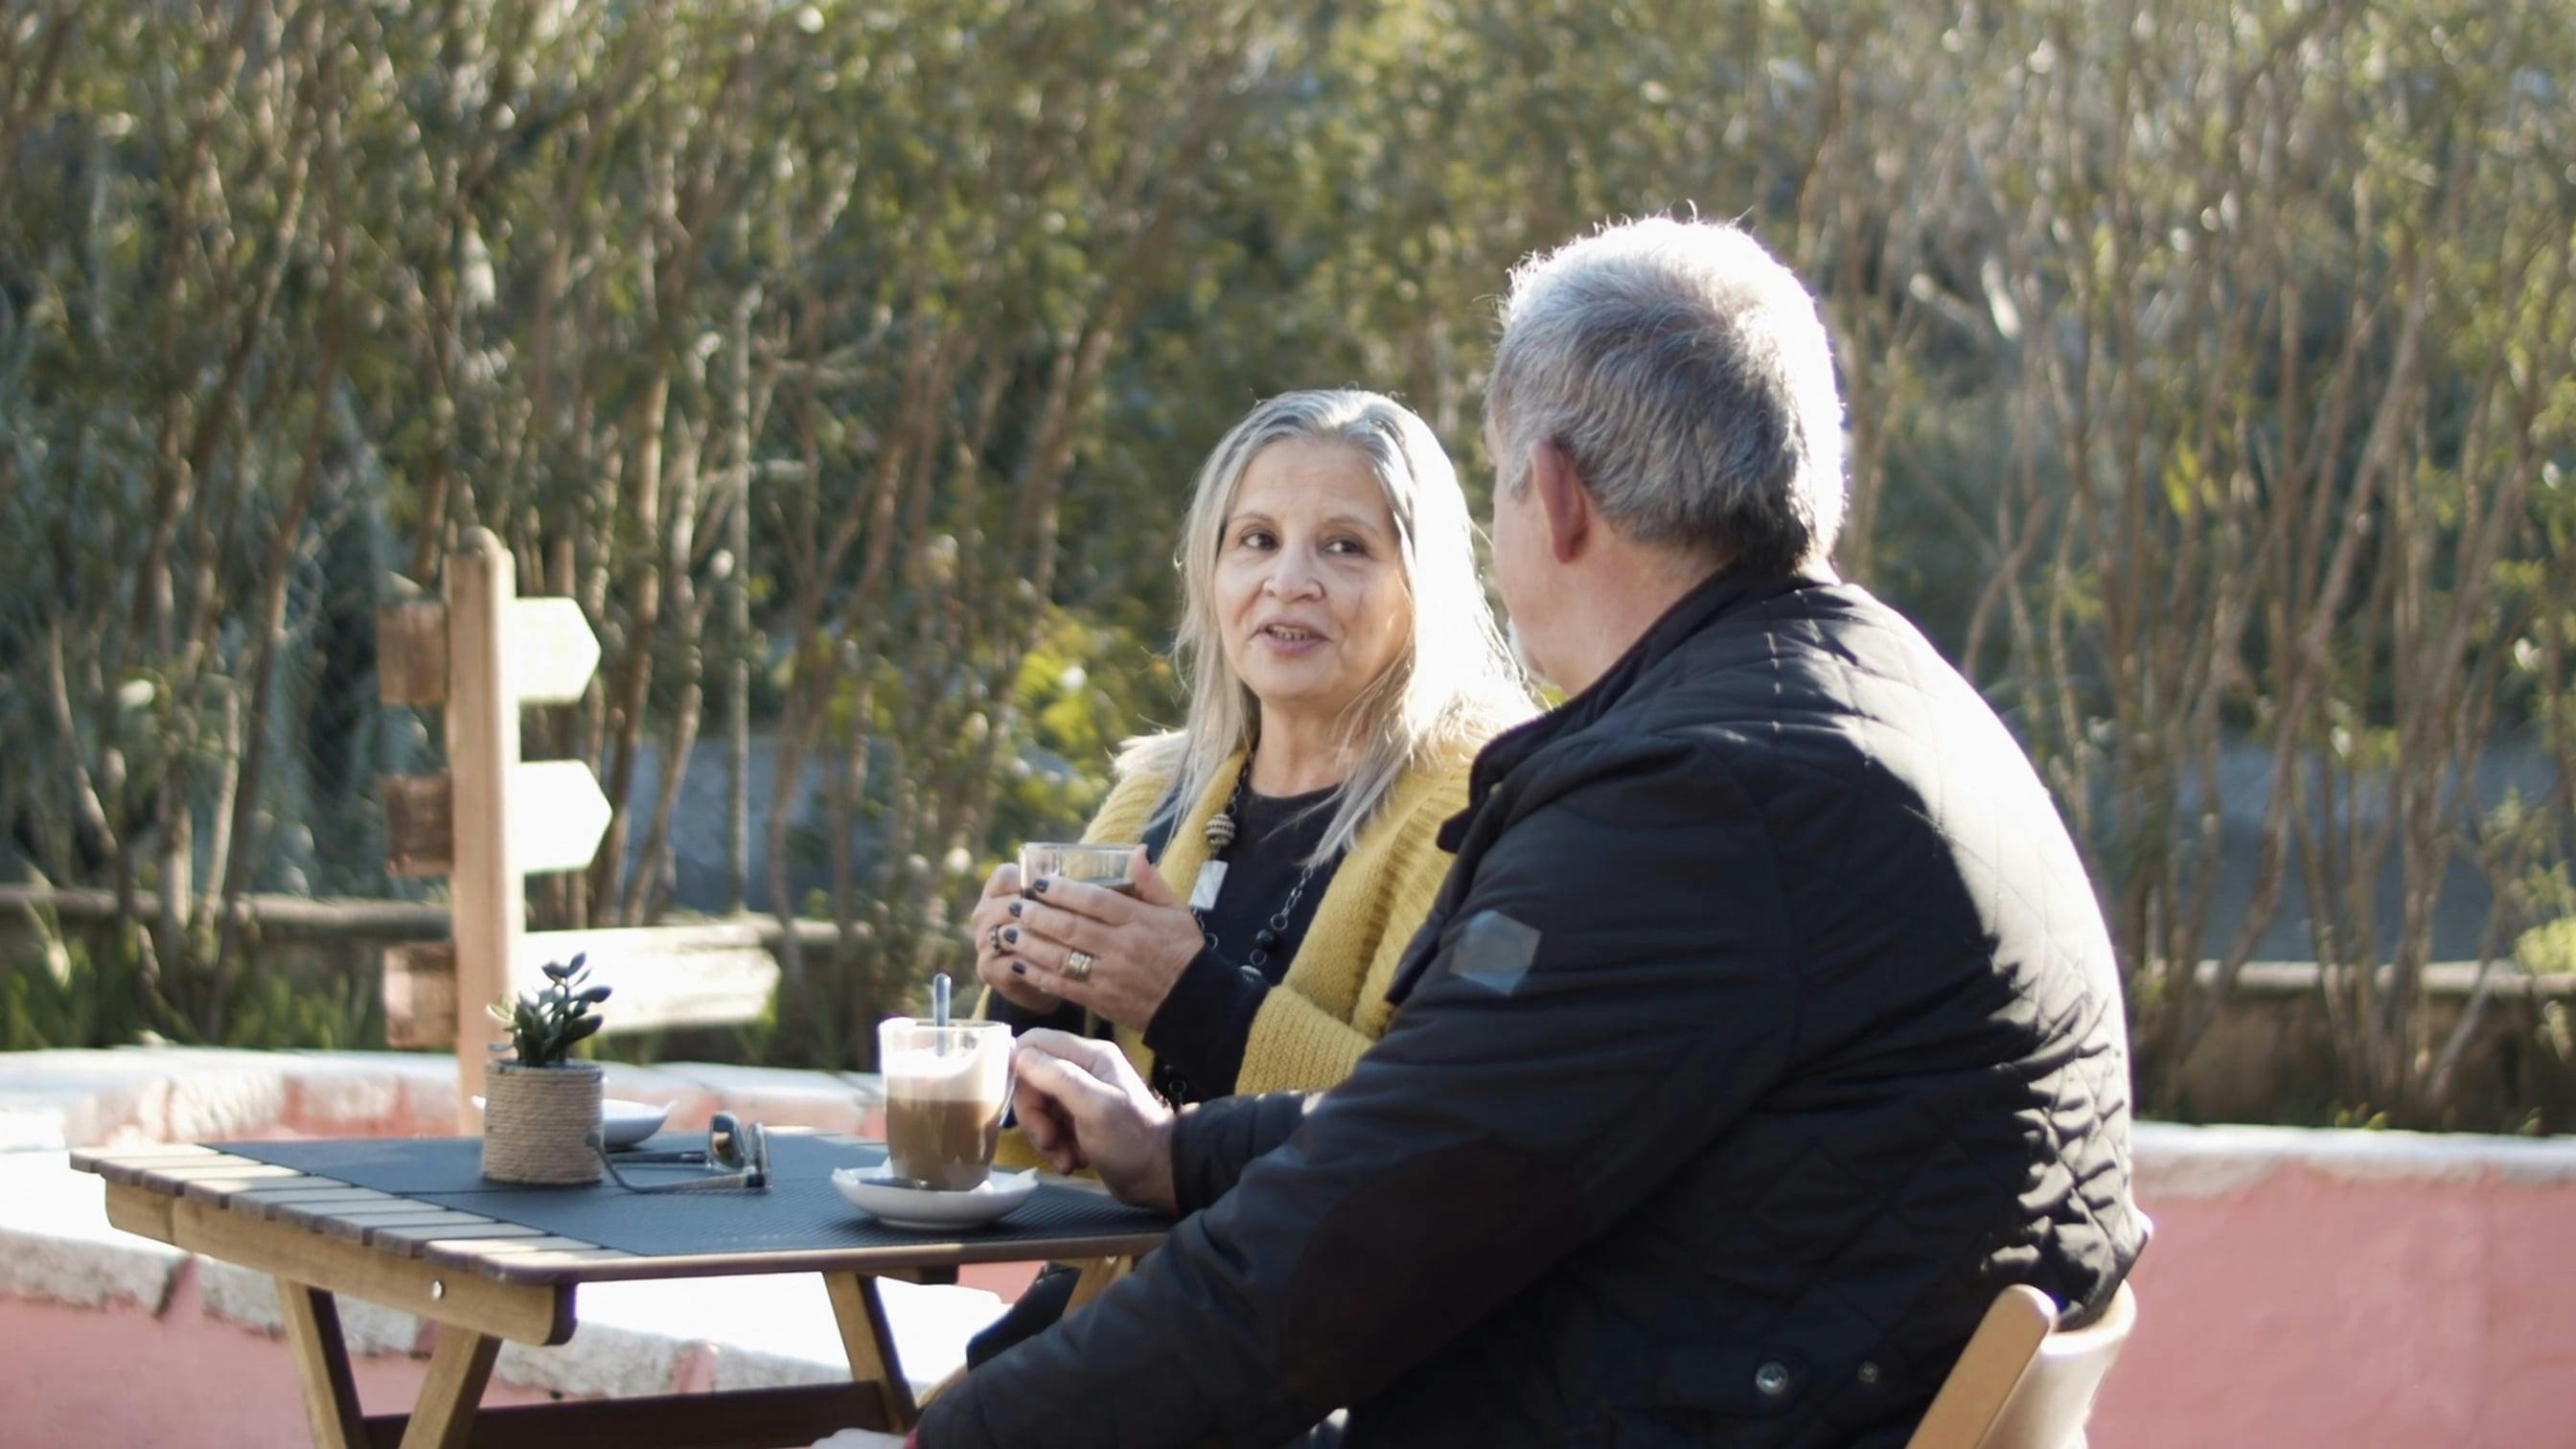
(1097, 1275)
(322, 1365)
(870, 1344)
(458, 1369)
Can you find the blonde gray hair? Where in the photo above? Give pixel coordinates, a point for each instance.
(1686, 374)
(1452, 687)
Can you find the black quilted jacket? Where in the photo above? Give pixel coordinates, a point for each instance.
(1764, 1030)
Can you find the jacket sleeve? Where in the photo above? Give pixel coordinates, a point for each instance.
(1215, 1141)
(1612, 992)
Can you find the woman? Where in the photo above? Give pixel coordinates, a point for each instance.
(1345, 668)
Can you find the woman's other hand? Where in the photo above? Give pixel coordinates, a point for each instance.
(993, 914)
(1138, 945)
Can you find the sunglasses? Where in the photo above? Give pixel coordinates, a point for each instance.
(739, 1151)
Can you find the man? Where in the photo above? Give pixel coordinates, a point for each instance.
(1766, 1026)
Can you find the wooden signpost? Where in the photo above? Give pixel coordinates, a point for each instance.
(492, 820)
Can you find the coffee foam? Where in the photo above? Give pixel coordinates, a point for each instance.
(922, 1073)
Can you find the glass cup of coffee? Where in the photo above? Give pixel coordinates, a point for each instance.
(1101, 865)
(945, 1088)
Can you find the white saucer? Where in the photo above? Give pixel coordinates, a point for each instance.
(623, 1123)
(921, 1208)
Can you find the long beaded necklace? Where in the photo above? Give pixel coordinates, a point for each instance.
(1220, 834)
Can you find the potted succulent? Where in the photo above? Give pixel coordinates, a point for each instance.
(539, 1108)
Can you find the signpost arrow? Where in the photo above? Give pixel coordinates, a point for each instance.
(557, 815)
(552, 652)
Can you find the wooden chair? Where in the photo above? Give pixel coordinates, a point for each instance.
(2021, 1385)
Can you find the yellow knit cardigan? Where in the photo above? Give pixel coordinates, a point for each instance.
(1332, 1002)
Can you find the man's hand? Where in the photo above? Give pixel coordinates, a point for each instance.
(1082, 1105)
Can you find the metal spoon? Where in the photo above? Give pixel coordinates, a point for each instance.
(939, 1012)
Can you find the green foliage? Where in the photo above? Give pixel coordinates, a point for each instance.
(902, 327)
(2548, 949)
(546, 1026)
(70, 996)
(89, 988)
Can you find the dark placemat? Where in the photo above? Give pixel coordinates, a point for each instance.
(801, 1211)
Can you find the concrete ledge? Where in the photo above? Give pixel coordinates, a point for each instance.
(55, 1243)
(2441, 979)
(2177, 1161)
(52, 1100)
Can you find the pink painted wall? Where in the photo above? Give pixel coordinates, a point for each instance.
(119, 1376)
(2308, 1309)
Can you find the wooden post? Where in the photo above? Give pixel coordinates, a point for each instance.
(491, 821)
(490, 904)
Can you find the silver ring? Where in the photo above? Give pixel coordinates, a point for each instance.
(1077, 964)
(998, 948)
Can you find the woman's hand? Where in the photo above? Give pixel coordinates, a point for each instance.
(1138, 945)
(995, 912)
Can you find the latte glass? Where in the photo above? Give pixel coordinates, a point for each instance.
(945, 1088)
(1100, 865)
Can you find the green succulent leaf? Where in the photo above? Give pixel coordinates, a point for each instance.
(543, 1026)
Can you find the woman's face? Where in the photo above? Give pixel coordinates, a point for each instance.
(1310, 588)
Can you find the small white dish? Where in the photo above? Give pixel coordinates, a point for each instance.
(623, 1123)
(930, 1211)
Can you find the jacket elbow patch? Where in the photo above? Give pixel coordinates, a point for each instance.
(1494, 951)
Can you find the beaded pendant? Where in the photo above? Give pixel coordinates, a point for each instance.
(1220, 830)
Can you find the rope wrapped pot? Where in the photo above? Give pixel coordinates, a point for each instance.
(537, 1122)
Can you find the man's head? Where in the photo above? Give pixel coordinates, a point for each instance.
(1662, 406)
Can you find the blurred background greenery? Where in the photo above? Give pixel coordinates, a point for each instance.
(2208, 370)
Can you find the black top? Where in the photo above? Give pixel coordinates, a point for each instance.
(1199, 1033)
(1765, 1028)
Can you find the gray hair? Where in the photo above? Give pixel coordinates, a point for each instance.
(1686, 374)
(1454, 684)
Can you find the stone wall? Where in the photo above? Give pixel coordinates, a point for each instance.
(2303, 1288)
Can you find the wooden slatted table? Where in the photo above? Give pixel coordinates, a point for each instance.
(483, 1280)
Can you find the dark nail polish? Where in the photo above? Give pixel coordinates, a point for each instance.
(1039, 886)
(1015, 908)
(1011, 934)
(1019, 968)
